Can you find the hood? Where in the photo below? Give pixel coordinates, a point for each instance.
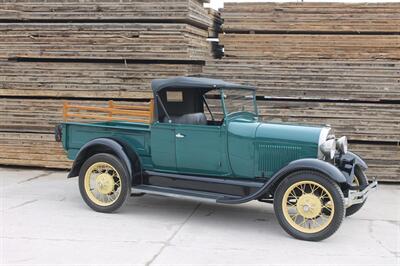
(285, 133)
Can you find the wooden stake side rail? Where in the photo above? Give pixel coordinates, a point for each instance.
(135, 114)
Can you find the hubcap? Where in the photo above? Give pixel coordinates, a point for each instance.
(105, 183)
(308, 206)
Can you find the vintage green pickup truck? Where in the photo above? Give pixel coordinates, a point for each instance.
(202, 138)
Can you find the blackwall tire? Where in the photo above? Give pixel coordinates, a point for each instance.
(311, 197)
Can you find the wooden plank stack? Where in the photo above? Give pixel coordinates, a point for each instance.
(321, 63)
(88, 52)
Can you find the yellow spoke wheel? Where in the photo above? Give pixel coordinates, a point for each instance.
(102, 184)
(308, 206)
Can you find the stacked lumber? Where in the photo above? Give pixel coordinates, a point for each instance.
(357, 80)
(321, 63)
(32, 149)
(86, 80)
(309, 46)
(312, 17)
(186, 11)
(88, 52)
(103, 41)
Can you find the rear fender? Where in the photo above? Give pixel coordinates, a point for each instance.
(128, 157)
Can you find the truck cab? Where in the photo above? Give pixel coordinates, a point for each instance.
(202, 138)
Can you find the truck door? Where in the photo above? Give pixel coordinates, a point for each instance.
(201, 149)
(163, 146)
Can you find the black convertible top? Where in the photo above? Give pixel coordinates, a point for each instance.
(204, 84)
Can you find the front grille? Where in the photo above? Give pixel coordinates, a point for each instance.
(272, 157)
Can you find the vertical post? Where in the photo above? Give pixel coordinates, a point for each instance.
(65, 111)
(110, 111)
(151, 110)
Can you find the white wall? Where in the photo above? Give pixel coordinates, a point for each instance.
(219, 3)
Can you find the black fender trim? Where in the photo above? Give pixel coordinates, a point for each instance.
(302, 164)
(101, 145)
(350, 156)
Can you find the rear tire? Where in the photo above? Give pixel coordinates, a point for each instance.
(309, 206)
(104, 182)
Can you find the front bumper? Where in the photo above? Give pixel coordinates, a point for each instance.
(359, 196)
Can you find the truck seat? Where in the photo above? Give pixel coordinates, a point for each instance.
(194, 119)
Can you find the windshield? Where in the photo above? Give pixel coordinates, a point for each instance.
(239, 100)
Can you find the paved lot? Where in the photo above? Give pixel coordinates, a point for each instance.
(44, 221)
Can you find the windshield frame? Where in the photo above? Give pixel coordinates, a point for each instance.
(224, 106)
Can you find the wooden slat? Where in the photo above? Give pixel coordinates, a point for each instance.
(109, 113)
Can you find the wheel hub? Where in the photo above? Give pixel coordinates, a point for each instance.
(105, 183)
(309, 206)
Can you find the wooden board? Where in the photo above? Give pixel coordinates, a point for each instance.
(189, 11)
(307, 46)
(86, 80)
(123, 41)
(354, 80)
(312, 17)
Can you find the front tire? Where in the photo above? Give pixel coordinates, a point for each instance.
(104, 182)
(359, 180)
(309, 206)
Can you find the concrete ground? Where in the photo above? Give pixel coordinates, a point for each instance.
(45, 221)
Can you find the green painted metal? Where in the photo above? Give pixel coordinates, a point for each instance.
(242, 147)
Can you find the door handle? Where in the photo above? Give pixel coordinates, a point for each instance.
(179, 136)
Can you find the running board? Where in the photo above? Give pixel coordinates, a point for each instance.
(181, 193)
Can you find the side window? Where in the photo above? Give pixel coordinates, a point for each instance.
(213, 99)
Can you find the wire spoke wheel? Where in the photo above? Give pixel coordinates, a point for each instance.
(102, 184)
(308, 206)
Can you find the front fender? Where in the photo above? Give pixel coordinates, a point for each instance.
(98, 146)
(323, 167)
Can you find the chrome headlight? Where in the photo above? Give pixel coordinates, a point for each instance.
(341, 144)
(328, 148)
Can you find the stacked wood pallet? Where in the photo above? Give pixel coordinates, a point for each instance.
(343, 80)
(185, 11)
(87, 80)
(88, 52)
(103, 41)
(312, 17)
(321, 63)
